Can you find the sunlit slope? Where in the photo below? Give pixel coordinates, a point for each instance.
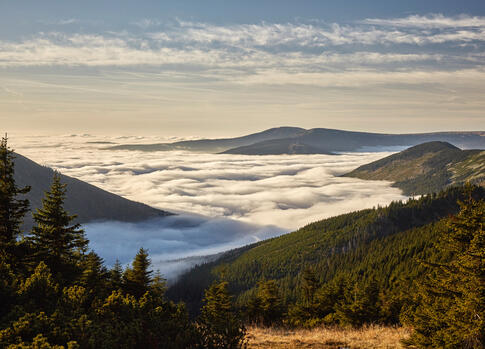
(428, 167)
(90, 203)
(381, 243)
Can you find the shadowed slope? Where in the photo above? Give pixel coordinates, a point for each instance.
(90, 203)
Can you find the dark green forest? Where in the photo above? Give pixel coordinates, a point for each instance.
(419, 263)
(364, 267)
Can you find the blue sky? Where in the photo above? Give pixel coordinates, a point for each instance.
(216, 68)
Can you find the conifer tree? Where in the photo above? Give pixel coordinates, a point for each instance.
(271, 302)
(116, 277)
(12, 208)
(218, 324)
(254, 312)
(55, 239)
(138, 278)
(158, 285)
(360, 305)
(305, 312)
(94, 275)
(309, 286)
(451, 310)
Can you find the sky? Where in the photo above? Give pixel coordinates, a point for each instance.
(226, 68)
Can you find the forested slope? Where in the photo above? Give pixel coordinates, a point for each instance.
(425, 168)
(382, 244)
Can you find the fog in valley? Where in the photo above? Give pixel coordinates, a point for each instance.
(221, 201)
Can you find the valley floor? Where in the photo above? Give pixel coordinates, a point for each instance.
(327, 338)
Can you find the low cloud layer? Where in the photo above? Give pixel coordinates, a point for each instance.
(287, 191)
(240, 199)
(174, 243)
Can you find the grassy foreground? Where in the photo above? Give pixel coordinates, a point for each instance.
(327, 337)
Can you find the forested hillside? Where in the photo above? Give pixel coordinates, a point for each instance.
(377, 250)
(428, 167)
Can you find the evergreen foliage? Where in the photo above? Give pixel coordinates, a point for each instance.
(266, 308)
(12, 208)
(451, 300)
(115, 278)
(348, 270)
(218, 324)
(56, 241)
(138, 278)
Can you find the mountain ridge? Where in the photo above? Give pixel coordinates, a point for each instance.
(294, 140)
(427, 167)
(89, 202)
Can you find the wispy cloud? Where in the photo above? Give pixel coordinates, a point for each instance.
(97, 50)
(431, 21)
(414, 65)
(248, 45)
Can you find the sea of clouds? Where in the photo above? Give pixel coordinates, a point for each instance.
(222, 201)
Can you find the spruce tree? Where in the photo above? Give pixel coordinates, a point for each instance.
(116, 277)
(309, 286)
(55, 239)
(138, 278)
(271, 303)
(158, 285)
(218, 325)
(12, 208)
(451, 310)
(94, 275)
(360, 305)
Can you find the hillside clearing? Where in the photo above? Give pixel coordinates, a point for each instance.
(368, 337)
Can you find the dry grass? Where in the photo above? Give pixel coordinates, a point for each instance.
(327, 338)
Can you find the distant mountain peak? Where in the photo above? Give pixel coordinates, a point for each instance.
(285, 139)
(427, 167)
(432, 146)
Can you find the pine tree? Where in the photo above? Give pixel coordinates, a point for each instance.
(218, 324)
(158, 286)
(360, 305)
(116, 277)
(309, 286)
(55, 239)
(451, 310)
(94, 275)
(12, 209)
(305, 312)
(138, 278)
(271, 302)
